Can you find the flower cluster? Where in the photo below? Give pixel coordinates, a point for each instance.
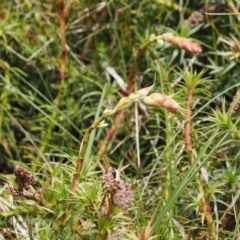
(156, 100)
(180, 42)
(24, 179)
(121, 193)
(160, 100)
(15, 191)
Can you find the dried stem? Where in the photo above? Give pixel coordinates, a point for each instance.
(132, 71)
(80, 159)
(36, 197)
(62, 23)
(205, 207)
(81, 154)
(188, 139)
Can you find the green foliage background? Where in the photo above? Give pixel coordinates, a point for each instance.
(45, 138)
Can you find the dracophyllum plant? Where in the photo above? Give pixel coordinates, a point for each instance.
(110, 181)
(156, 100)
(117, 194)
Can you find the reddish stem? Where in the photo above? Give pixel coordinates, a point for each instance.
(132, 73)
(205, 207)
(62, 23)
(188, 139)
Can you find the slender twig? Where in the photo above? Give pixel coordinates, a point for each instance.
(80, 159)
(131, 74)
(62, 23)
(81, 154)
(205, 207)
(188, 139)
(137, 135)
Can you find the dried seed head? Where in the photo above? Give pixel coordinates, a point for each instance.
(109, 180)
(24, 178)
(121, 193)
(15, 191)
(7, 235)
(123, 197)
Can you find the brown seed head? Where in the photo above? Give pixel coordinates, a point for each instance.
(7, 235)
(109, 181)
(24, 178)
(15, 191)
(123, 197)
(121, 193)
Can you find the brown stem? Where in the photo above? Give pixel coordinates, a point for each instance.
(33, 196)
(188, 139)
(80, 160)
(62, 23)
(205, 207)
(132, 73)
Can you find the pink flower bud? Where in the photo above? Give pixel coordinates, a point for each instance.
(150, 102)
(160, 100)
(182, 43)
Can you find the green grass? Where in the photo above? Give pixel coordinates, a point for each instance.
(61, 64)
